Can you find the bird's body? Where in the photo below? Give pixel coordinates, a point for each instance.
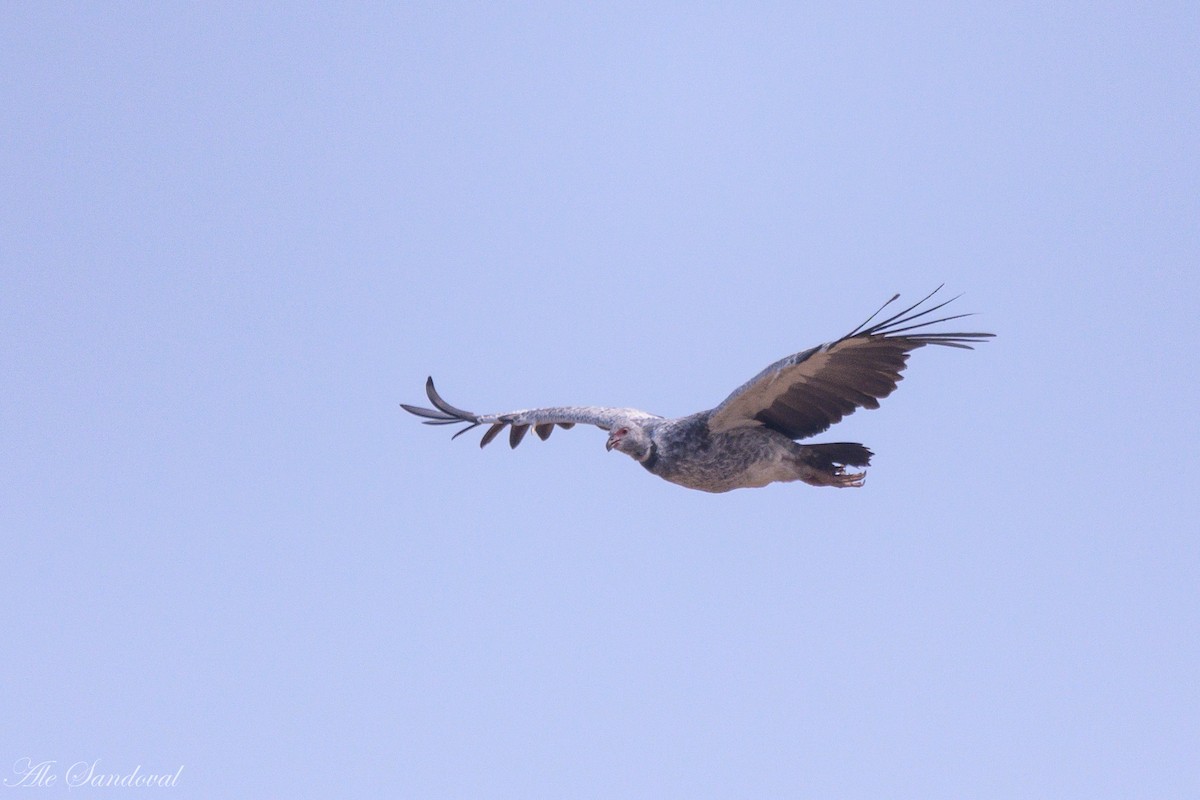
(748, 440)
(685, 452)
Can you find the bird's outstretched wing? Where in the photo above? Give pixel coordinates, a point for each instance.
(803, 394)
(542, 420)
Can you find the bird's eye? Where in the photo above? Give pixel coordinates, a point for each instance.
(622, 431)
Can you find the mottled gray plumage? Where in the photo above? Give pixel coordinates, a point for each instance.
(747, 440)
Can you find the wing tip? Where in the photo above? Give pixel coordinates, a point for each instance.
(899, 323)
(442, 412)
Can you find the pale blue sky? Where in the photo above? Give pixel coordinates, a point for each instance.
(235, 238)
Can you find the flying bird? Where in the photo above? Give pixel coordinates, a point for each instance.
(751, 438)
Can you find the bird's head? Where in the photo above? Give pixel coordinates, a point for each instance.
(629, 438)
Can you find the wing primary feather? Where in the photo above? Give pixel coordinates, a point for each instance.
(470, 427)
(491, 433)
(423, 412)
(964, 338)
(957, 335)
(867, 321)
(544, 430)
(893, 331)
(516, 434)
(442, 405)
(879, 326)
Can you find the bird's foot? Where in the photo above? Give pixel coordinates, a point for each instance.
(843, 479)
(835, 476)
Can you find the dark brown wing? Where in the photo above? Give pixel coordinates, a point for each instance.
(803, 394)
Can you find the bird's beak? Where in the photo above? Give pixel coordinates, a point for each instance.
(611, 443)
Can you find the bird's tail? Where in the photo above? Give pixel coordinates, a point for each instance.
(836, 454)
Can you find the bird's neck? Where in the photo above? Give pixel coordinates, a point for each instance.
(651, 456)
